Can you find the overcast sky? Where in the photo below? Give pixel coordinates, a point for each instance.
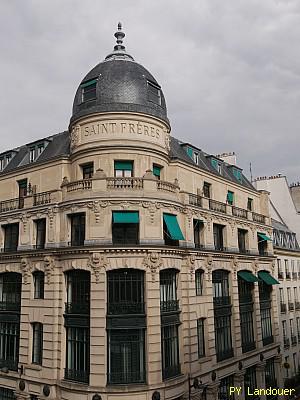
(230, 70)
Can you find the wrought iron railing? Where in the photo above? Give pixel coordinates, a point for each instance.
(125, 377)
(223, 355)
(268, 340)
(126, 308)
(286, 342)
(215, 205)
(125, 183)
(280, 275)
(294, 340)
(9, 363)
(169, 306)
(297, 305)
(287, 275)
(77, 308)
(291, 306)
(195, 200)
(77, 375)
(294, 274)
(239, 212)
(171, 371)
(11, 305)
(222, 301)
(283, 307)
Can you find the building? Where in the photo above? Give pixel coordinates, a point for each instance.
(130, 260)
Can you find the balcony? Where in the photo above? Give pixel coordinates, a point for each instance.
(195, 200)
(126, 308)
(220, 248)
(222, 301)
(9, 205)
(297, 305)
(294, 340)
(261, 219)
(76, 375)
(217, 206)
(167, 186)
(77, 308)
(239, 212)
(286, 343)
(169, 306)
(83, 184)
(31, 200)
(283, 308)
(124, 183)
(291, 306)
(249, 346)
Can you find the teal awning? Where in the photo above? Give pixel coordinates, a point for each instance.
(267, 278)
(124, 165)
(173, 227)
(156, 170)
(89, 83)
(264, 237)
(247, 276)
(125, 217)
(230, 196)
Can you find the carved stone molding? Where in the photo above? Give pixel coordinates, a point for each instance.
(191, 263)
(209, 264)
(96, 262)
(152, 208)
(25, 267)
(154, 262)
(75, 137)
(49, 268)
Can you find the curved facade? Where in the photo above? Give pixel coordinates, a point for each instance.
(143, 266)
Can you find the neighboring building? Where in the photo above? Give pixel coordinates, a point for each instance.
(130, 260)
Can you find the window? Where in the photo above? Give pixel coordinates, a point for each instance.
(39, 283)
(35, 151)
(206, 190)
(196, 158)
(245, 289)
(87, 170)
(216, 165)
(154, 94)
(298, 327)
(22, 192)
(88, 90)
(224, 387)
(126, 362)
(262, 245)
(198, 228)
(287, 271)
(286, 341)
(199, 281)
(11, 237)
(157, 170)
(201, 337)
(7, 394)
(250, 382)
(37, 343)
(2, 164)
(170, 351)
(77, 355)
(8, 158)
(218, 237)
(77, 229)
(295, 363)
(40, 225)
(168, 290)
(123, 169)
(279, 269)
(230, 197)
(31, 154)
(125, 227)
(242, 236)
(171, 230)
(222, 314)
(237, 173)
(78, 292)
(265, 312)
(270, 376)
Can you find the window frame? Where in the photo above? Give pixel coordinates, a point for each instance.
(38, 284)
(37, 343)
(201, 337)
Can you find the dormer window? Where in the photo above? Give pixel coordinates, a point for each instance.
(1, 164)
(32, 154)
(8, 158)
(237, 173)
(88, 90)
(35, 151)
(5, 160)
(196, 158)
(154, 94)
(217, 165)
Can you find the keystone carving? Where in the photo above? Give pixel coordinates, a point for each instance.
(49, 268)
(25, 268)
(96, 262)
(154, 262)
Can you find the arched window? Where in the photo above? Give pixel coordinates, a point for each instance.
(199, 282)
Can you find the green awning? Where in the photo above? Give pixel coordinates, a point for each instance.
(156, 170)
(124, 165)
(89, 83)
(247, 276)
(189, 150)
(125, 217)
(230, 196)
(267, 278)
(264, 237)
(173, 227)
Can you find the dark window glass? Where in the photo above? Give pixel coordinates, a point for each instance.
(11, 237)
(250, 204)
(33, 397)
(218, 236)
(199, 281)
(201, 337)
(246, 314)
(126, 356)
(89, 91)
(87, 170)
(77, 229)
(7, 394)
(78, 354)
(198, 227)
(154, 93)
(262, 246)
(37, 343)
(170, 351)
(225, 384)
(206, 189)
(78, 292)
(125, 292)
(222, 314)
(242, 240)
(22, 192)
(125, 233)
(39, 283)
(270, 376)
(265, 312)
(168, 290)
(250, 382)
(9, 344)
(40, 233)
(10, 291)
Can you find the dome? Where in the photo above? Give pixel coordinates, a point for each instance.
(119, 84)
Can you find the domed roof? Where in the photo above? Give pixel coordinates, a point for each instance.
(119, 84)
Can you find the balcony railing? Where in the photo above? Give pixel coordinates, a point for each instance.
(11, 364)
(299, 275)
(169, 306)
(195, 200)
(268, 340)
(294, 340)
(280, 275)
(283, 308)
(126, 308)
(294, 274)
(287, 275)
(248, 346)
(169, 372)
(222, 301)
(167, 186)
(223, 355)
(245, 298)
(125, 183)
(215, 205)
(239, 212)
(291, 306)
(297, 305)
(42, 198)
(258, 218)
(286, 343)
(10, 305)
(77, 375)
(220, 248)
(9, 205)
(126, 377)
(77, 308)
(298, 337)
(83, 184)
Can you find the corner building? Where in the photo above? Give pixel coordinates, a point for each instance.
(133, 265)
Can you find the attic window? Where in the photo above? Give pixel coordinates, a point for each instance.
(154, 94)
(4, 161)
(35, 151)
(237, 173)
(217, 165)
(88, 90)
(1, 164)
(196, 158)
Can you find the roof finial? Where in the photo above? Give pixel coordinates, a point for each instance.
(119, 35)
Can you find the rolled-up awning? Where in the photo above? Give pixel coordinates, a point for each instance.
(264, 237)
(267, 278)
(173, 227)
(124, 165)
(247, 276)
(125, 217)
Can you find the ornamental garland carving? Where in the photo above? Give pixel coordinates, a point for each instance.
(25, 266)
(96, 262)
(209, 264)
(152, 209)
(190, 263)
(154, 262)
(48, 268)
